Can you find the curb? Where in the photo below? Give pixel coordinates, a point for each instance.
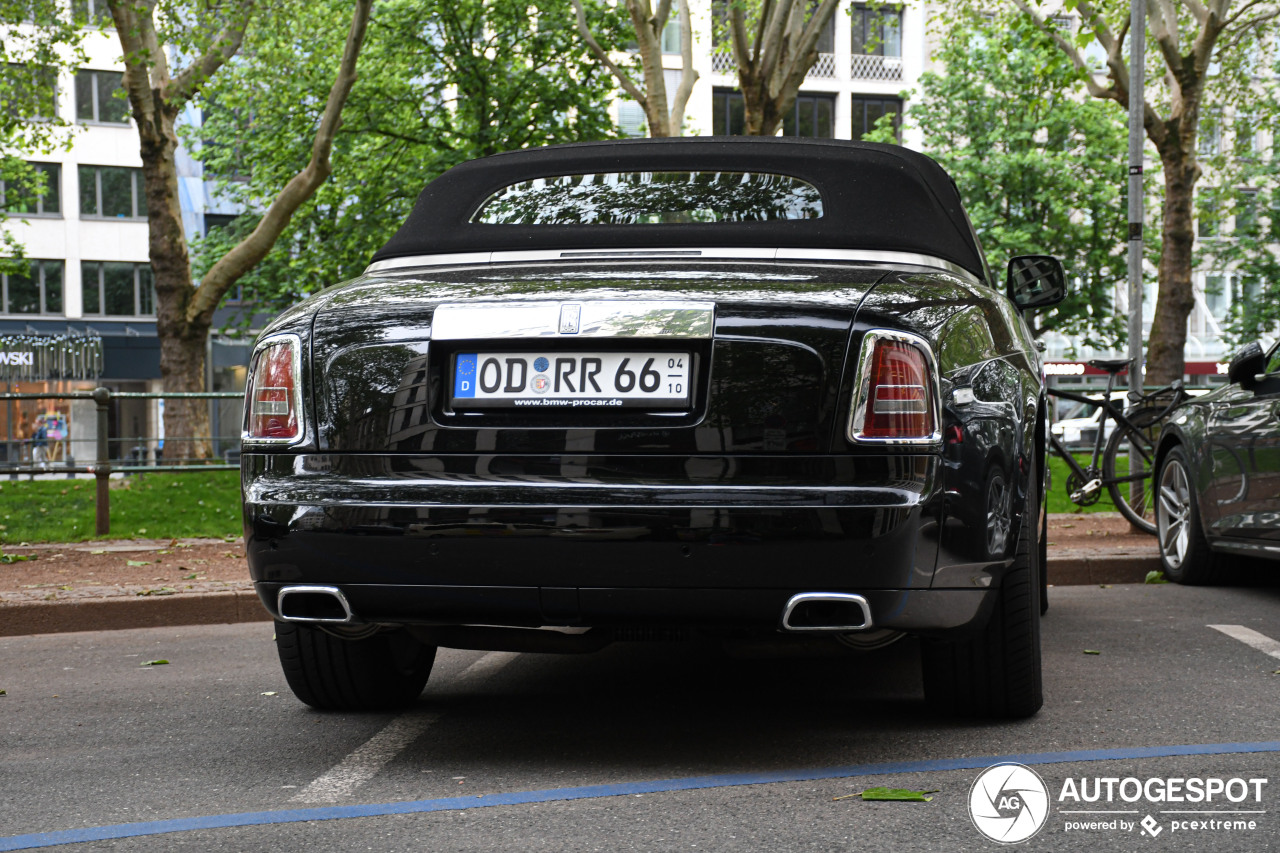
(1078, 567)
(1068, 567)
(115, 613)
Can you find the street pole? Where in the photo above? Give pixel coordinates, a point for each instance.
(1137, 42)
(1137, 98)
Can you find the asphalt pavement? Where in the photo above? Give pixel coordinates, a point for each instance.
(648, 747)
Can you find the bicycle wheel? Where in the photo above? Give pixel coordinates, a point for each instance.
(1134, 498)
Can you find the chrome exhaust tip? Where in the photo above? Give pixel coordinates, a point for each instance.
(313, 604)
(826, 611)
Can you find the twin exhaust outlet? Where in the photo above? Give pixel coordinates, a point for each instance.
(805, 612)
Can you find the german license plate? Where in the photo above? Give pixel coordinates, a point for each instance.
(597, 380)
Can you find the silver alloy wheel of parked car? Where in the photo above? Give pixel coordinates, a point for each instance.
(1173, 513)
(999, 514)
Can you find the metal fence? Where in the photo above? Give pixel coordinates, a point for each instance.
(128, 454)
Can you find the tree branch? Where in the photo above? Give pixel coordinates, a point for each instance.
(225, 45)
(248, 252)
(1120, 91)
(136, 30)
(624, 80)
(688, 74)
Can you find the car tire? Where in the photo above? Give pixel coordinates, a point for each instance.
(1185, 555)
(996, 674)
(379, 672)
(1044, 558)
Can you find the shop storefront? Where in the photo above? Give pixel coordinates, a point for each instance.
(49, 431)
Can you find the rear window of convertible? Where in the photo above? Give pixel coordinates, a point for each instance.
(652, 198)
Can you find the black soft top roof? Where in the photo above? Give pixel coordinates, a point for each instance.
(881, 197)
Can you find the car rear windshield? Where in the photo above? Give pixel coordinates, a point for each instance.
(652, 198)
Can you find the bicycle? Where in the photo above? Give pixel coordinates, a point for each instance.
(1130, 485)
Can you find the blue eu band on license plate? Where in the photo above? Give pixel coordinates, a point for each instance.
(571, 380)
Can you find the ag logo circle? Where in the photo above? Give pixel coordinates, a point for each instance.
(1009, 803)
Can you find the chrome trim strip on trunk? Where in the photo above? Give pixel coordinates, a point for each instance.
(763, 254)
(585, 319)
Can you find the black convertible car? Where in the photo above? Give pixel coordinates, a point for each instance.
(658, 389)
(1218, 472)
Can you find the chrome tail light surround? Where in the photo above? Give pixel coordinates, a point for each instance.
(896, 399)
(272, 398)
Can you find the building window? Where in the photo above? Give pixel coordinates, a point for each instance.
(1246, 136)
(94, 13)
(117, 289)
(96, 100)
(729, 117)
(1247, 213)
(1209, 141)
(34, 89)
(827, 38)
(812, 116)
(877, 30)
(867, 110)
(1217, 298)
(671, 34)
(1207, 215)
(46, 202)
(631, 119)
(218, 221)
(37, 292)
(112, 192)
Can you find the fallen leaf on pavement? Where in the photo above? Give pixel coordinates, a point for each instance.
(158, 662)
(892, 794)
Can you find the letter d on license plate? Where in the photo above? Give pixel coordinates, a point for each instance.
(571, 379)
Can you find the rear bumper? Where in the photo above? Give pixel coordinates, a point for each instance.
(706, 541)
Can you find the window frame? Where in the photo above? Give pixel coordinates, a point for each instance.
(39, 266)
(100, 287)
(858, 97)
(862, 16)
(96, 96)
(137, 201)
(51, 83)
(99, 18)
(812, 98)
(53, 189)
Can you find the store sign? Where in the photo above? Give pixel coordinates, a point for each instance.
(44, 358)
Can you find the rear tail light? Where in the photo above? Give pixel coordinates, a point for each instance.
(896, 398)
(273, 398)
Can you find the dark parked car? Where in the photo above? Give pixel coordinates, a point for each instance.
(1218, 472)
(658, 389)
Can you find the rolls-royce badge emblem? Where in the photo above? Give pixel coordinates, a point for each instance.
(569, 315)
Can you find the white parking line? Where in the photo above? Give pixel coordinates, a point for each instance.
(377, 752)
(1249, 637)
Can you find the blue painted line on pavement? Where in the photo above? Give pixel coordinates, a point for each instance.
(730, 780)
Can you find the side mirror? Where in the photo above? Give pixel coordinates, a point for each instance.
(1035, 281)
(1246, 364)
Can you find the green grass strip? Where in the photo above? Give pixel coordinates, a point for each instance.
(148, 506)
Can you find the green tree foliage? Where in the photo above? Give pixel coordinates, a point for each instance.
(38, 40)
(1238, 202)
(1041, 169)
(1196, 52)
(440, 83)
